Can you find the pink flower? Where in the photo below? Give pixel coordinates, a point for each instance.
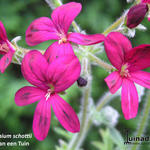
(48, 80)
(44, 28)
(145, 1)
(6, 49)
(129, 63)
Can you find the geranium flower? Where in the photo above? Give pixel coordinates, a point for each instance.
(44, 28)
(129, 63)
(6, 49)
(49, 79)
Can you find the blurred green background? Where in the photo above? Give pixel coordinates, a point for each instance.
(95, 17)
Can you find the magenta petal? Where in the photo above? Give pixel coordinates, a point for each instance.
(146, 1)
(129, 99)
(41, 121)
(34, 67)
(64, 15)
(139, 57)
(6, 60)
(116, 46)
(141, 77)
(65, 114)
(3, 35)
(28, 95)
(63, 72)
(113, 81)
(40, 30)
(56, 50)
(83, 39)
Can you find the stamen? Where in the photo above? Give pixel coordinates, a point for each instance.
(63, 40)
(48, 94)
(124, 71)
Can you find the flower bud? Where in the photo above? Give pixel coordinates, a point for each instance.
(136, 14)
(81, 82)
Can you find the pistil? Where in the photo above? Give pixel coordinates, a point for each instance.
(124, 71)
(62, 40)
(48, 94)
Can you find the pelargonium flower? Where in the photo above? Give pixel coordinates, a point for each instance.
(49, 79)
(44, 28)
(129, 63)
(6, 49)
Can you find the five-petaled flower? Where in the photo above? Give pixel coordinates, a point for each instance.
(6, 49)
(44, 28)
(49, 79)
(129, 63)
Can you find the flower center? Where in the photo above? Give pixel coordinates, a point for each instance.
(49, 91)
(62, 40)
(48, 94)
(4, 47)
(124, 71)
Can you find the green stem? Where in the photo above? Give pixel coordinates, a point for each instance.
(53, 3)
(101, 103)
(143, 120)
(76, 142)
(114, 25)
(75, 26)
(20, 53)
(99, 62)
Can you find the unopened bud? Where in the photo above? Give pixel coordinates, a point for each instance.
(81, 82)
(136, 14)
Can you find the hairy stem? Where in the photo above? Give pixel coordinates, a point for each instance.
(101, 103)
(53, 3)
(101, 63)
(114, 25)
(76, 142)
(143, 121)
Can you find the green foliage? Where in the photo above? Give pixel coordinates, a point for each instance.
(111, 140)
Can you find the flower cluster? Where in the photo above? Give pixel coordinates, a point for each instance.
(55, 71)
(58, 68)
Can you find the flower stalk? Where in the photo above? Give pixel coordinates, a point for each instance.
(100, 62)
(114, 25)
(76, 142)
(143, 121)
